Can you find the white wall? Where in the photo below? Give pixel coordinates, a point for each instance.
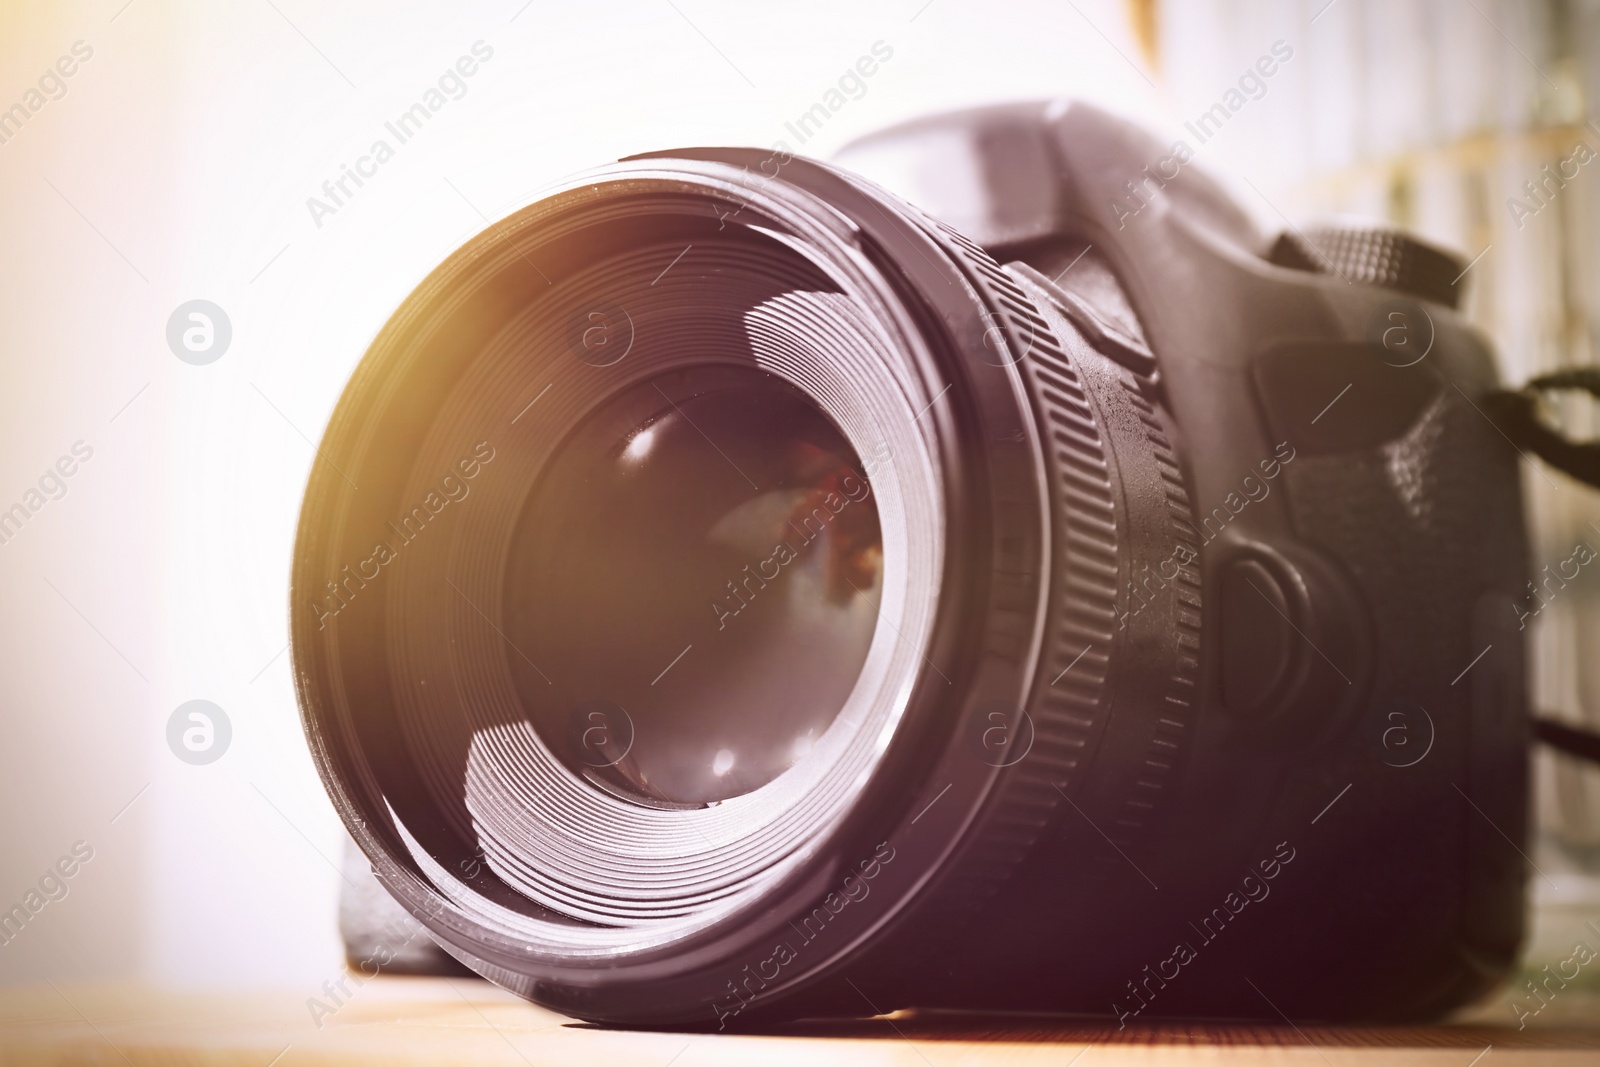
(190, 142)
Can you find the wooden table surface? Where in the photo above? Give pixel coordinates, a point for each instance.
(465, 1021)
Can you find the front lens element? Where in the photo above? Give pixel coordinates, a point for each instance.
(698, 571)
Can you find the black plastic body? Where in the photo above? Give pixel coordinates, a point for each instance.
(1392, 548)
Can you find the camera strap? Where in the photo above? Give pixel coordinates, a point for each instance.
(1516, 413)
(1572, 741)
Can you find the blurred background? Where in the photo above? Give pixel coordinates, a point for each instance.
(178, 159)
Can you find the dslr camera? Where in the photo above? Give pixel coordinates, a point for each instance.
(983, 572)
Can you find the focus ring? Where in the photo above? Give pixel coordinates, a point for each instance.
(1172, 726)
(1082, 592)
(1146, 515)
(1092, 561)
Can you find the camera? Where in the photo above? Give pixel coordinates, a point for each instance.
(983, 572)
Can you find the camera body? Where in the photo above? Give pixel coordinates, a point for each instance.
(1341, 822)
(1224, 708)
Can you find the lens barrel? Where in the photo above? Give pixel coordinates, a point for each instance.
(502, 585)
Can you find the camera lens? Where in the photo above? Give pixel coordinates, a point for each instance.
(702, 559)
(700, 553)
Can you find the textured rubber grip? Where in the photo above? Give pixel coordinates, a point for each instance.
(1373, 255)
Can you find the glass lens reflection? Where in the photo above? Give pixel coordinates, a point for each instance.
(698, 570)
